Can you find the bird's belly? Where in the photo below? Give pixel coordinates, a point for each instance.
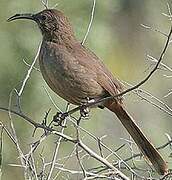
(73, 84)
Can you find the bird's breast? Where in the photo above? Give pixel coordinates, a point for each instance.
(67, 77)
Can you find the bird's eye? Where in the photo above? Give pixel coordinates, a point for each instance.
(43, 17)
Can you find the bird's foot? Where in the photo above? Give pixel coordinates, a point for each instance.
(84, 112)
(59, 118)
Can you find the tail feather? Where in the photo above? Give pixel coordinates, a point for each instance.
(140, 139)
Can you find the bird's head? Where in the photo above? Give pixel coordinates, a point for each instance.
(51, 22)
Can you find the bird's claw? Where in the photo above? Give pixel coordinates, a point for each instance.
(84, 112)
(59, 118)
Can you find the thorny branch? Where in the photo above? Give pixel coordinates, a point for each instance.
(75, 141)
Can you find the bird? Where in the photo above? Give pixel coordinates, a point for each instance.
(78, 75)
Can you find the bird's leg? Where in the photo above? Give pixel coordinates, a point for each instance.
(84, 111)
(60, 116)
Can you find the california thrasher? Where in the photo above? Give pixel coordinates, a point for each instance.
(76, 74)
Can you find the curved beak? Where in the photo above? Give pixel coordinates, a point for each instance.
(22, 16)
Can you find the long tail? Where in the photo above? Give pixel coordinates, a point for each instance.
(142, 142)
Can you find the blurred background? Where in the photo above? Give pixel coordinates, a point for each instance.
(118, 38)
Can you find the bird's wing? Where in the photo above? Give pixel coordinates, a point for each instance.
(104, 77)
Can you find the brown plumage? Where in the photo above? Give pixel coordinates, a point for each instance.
(77, 74)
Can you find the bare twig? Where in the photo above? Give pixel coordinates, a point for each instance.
(151, 58)
(91, 135)
(57, 149)
(9, 134)
(139, 154)
(34, 167)
(29, 65)
(77, 148)
(80, 172)
(90, 23)
(45, 3)
(29, 72)
(154, 29)
(66, 160)
(145, 95)
(70, 139)
(21, 155)
(102, 160)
